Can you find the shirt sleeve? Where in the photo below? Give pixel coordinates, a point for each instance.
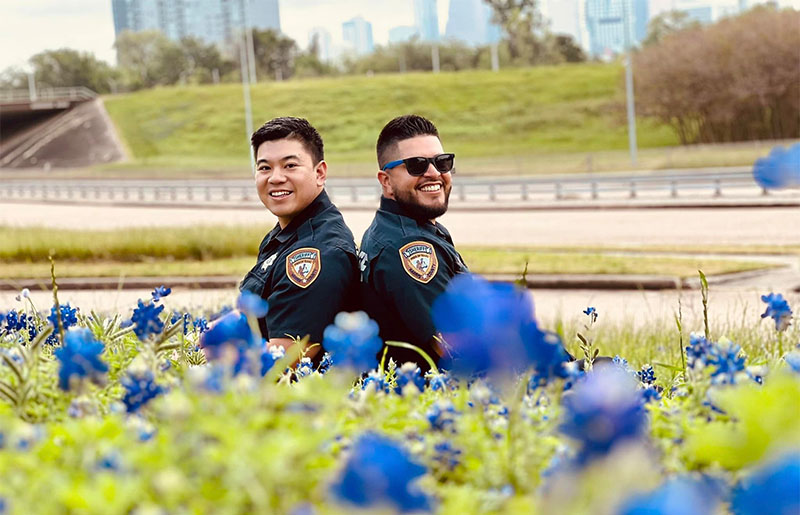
(407, 295)
(298, 311)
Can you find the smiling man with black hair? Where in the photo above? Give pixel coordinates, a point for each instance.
(407, 257)
(307, 268)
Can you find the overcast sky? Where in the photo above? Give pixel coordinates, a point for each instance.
(31, 26)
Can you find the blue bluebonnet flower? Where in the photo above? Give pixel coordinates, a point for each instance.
(490, 327)
(200, 325)
(602, 410)
(442, 416)
(650, 393)
(252, 305)
(269, 355)
(773, 488)
(160, 292)
(778, 309)
(779, 169)
(647, 375)
(591, 313)
(440, 381)
(793, 360)
(353, 341)
(304, 368)
(69, 316)
(379, 472)
(325, 363)
(446, 456)
(80, 358)
(186, 317)
(221, 313)
(111, 461)
(16, 322)
(139, 390)
(375, 381)
(146, 319)
(697, 351)
(409, 374)
(681, 495)
(724, 356)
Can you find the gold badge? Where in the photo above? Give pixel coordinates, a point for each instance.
(419, 260)
(303, 266)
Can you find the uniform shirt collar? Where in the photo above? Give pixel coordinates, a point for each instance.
(391, 206)
(317, 206)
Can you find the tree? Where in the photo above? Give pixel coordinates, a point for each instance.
(736, 80)
(13, 78)
(274, 53)
(529, 40)
(668, 23)
(569, 50)
(67, 68)
(202, 59)
(148, 58)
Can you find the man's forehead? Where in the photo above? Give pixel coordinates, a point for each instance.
(277, 149)
(426, 146)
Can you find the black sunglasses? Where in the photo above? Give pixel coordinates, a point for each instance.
(417, 166)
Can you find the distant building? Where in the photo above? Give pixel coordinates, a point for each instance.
(708, 12)
(470, 21)
(612, 25)
(213, 21)
(402, 34)
(322, 38)
(357, 35)
(426, 19)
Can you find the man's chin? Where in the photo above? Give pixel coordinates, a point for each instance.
(419, 211)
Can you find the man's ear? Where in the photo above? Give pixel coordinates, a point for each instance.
(386, 185)
(321, 172)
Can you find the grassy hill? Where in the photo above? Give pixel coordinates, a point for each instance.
(510, 115)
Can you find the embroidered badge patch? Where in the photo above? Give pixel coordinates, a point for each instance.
(303, 266)
(419, 260)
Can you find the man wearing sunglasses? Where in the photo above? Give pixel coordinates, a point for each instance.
(407, 258)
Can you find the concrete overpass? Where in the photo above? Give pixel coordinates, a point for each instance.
(52, 128)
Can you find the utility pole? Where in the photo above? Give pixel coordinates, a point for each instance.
(251, 51)
(248, 113)
(435, 57)
(629, 83)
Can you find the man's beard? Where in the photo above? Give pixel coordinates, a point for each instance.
(418, 211)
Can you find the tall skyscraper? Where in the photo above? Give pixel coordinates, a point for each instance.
(470, 21)
(426, 18)
(611, 25)
(357, 35)
(213, 21)
(322, 38)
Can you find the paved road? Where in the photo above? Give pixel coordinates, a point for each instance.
(688, 226)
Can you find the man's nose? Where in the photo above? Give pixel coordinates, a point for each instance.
(277, 176)
(431, 172)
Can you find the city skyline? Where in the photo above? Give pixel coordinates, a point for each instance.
(33, 26)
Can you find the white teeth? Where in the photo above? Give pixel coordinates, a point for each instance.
(431, 187)
(278, 194)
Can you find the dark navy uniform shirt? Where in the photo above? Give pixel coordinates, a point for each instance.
(307, 272)
(405, 265)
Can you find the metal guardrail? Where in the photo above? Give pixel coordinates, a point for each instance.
(73, 94)
(359, 191)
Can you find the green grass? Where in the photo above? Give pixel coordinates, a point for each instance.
(516, 112)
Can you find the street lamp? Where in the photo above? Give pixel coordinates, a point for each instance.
(629, 82)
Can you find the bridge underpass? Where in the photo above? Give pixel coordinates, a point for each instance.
(55, 128)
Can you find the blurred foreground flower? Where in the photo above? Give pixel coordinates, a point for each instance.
(229, 331)
(490, 327)
(80, 358)
(139, 390)
(682, 495)
(780, 169)
(603, 410)
(778, 309)
(353, 341)
(252, 305)
(772, 489)
(379, 472)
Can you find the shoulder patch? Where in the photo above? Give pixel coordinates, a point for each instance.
(303, 266)
(419, 260)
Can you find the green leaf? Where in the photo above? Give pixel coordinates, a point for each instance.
(420, 351)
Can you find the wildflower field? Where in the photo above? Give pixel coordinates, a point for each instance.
(157, 410)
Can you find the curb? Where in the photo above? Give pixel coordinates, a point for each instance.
(581, 282)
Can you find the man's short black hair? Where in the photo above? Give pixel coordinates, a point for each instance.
(402, 128)
(292, 128)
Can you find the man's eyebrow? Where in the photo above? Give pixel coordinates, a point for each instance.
(285, 158)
